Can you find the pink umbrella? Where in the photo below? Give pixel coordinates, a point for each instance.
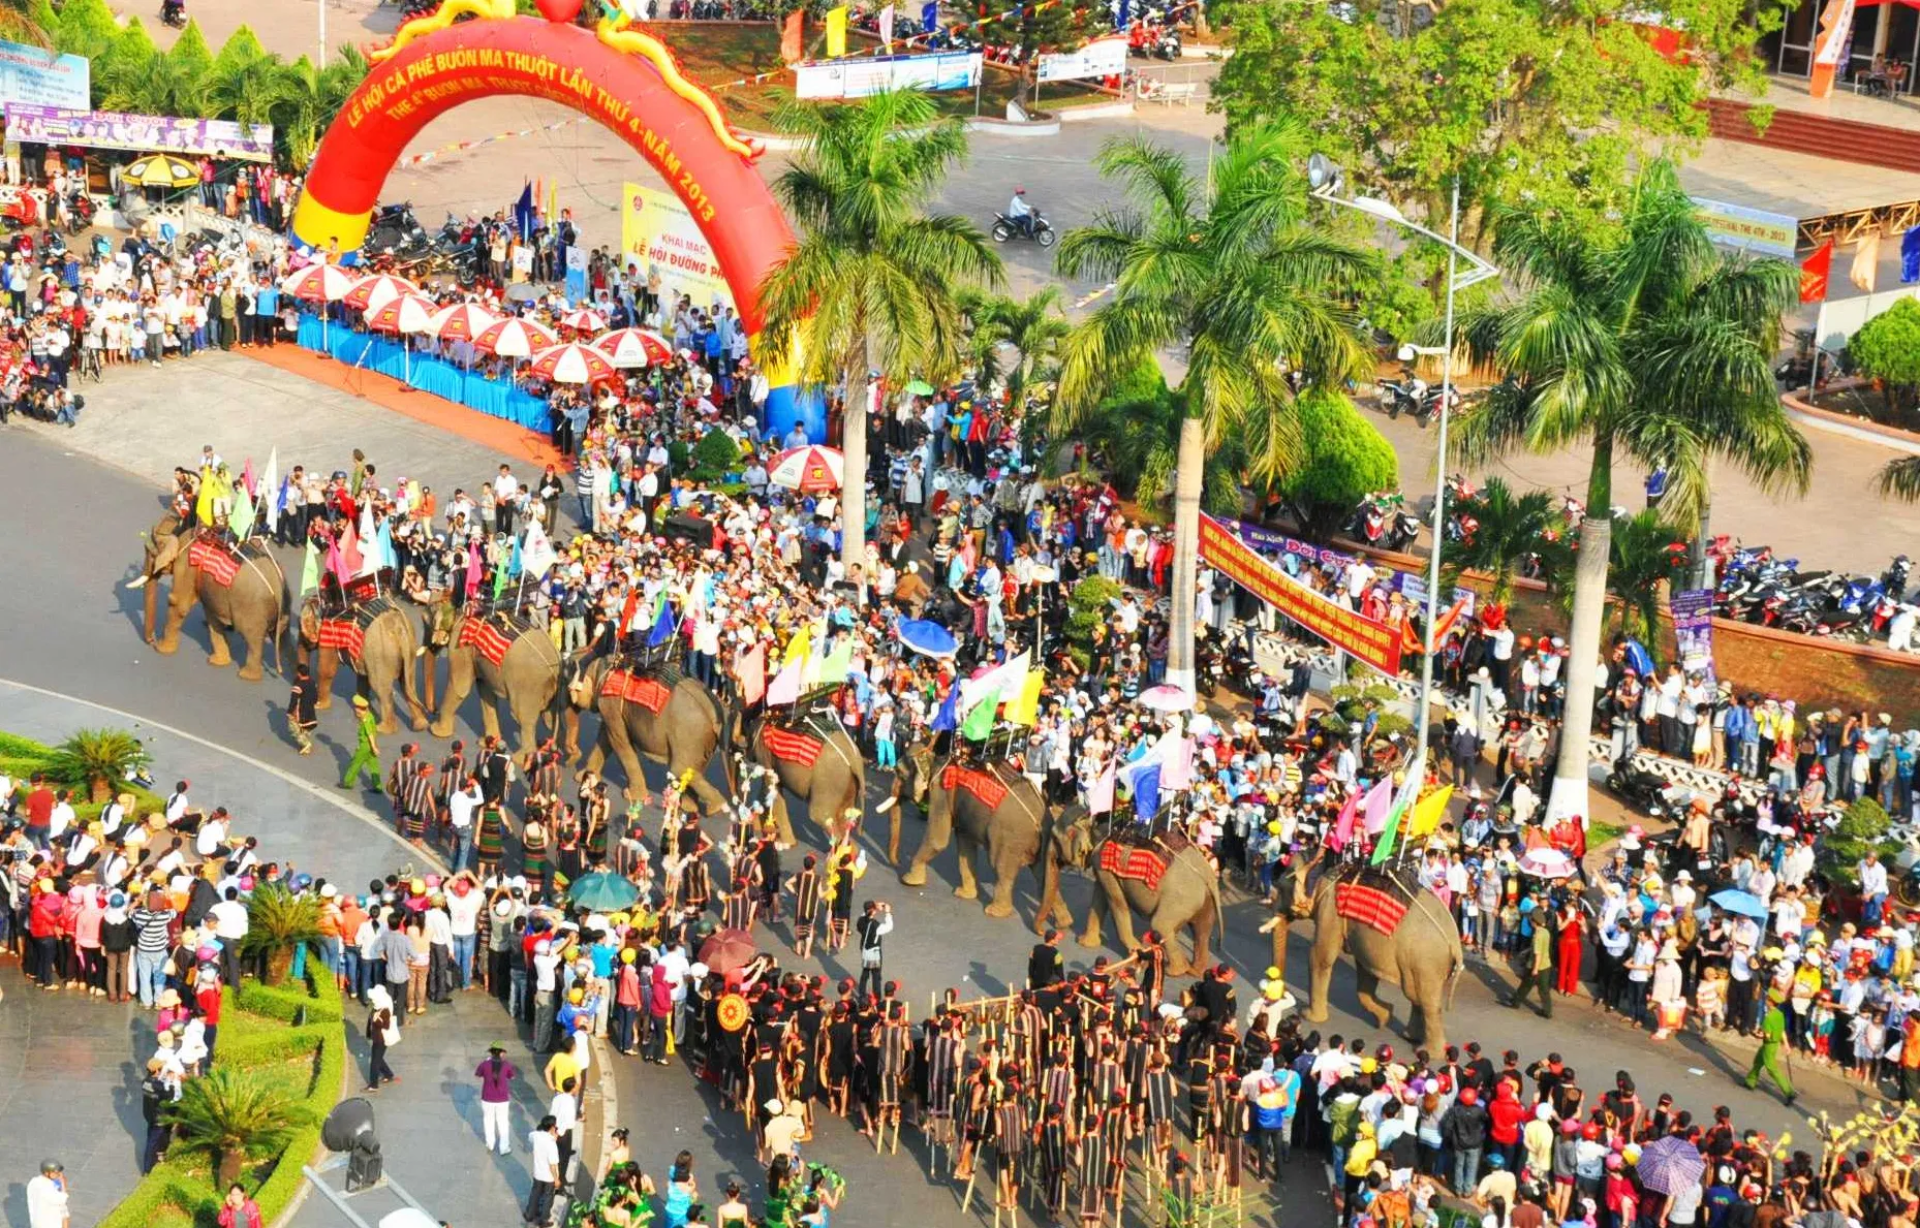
(410, 313)
(319, 283)
(462, 322)
(726, 951)
(808, 470)
(634, 347)
(370, 294)
(584, 320)
(572, 363)
(514, 338)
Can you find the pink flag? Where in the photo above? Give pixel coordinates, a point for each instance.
(752, 673)
(1176, 761)
(246, 478)
(1100, 793)
(1343, 828)
(786, 684)
(336, 564)
(1379, 805)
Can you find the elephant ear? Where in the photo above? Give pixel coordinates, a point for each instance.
(167, 548)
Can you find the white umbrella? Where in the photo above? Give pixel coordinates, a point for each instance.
(634, 347)
(370, 294)
(1544, 862)
(809, 470)
(1167, 698)
(462, 322)
(319, 283)
(514, 338)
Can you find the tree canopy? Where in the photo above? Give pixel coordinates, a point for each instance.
(1888, 348)
(1344, 458)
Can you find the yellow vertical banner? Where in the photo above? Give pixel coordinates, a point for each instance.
(836, 32)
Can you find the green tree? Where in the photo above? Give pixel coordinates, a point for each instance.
(1887, 348)
(1135, 432)
(190, 50)
(1234, 277)
(1039, 29)
(232, 1116)
(1345, 459)
(1509, 529)
(278, 921)
(86, 27)
(1645, 555)
(1034, 326)
(247, 83)
(98, 760)
(1636, 339)
(1089, 605)
(313, 98)
(873, 281)
(1522, 101)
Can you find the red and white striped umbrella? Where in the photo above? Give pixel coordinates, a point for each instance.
(462, 322)
(634, 347)
(514, 338)
(810, 470)
(370, 294)
(410, 313)
(572, 363)
(319, 283)
(585, 320)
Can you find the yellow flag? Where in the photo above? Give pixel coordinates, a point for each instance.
(1024, 708)
(800, 647)
(836, 32)
(1429, 810)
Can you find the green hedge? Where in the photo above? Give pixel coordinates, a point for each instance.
(21, 757)
(173, 1193)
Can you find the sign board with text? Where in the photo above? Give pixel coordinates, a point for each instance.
(861, 76)
(1364, 639)
(28, 74)
(659, 235)
(1749, 230)
(1103, 57)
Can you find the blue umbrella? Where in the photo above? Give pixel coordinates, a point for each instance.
(1745, 903)
(1670, 1164)
(929, 639)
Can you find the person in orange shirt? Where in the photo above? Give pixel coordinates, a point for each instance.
(1910, 1060)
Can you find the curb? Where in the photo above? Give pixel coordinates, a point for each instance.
(1011, 127)
(1095, 110)
(1850, 427)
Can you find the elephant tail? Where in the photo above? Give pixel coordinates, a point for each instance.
(1219, 914)
(1453, 977)
(729, 737)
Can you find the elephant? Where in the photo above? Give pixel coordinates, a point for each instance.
(255, 604)
(1187, 895)
(527, 677)
(1013, 832)
(683, 734)
(833, 785)
(1423, 954)
(390, 643)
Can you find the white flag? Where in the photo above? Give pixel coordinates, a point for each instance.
(886, 27)
(536, 552)
(1866, 262)
(270, 490)
(1004, 680)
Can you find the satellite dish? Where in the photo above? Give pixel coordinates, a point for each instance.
(348, 1122)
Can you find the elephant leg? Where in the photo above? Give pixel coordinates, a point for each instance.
(253, 669)
(969, 887)
(1096, 911)
(1006, 871)
(1202, 925)
(416, 713)
(782, 819)
(219, 655)
(453, 697)
(1327, 941)
(169, 641)
(326, 664)
(712, 801)
(570, 735)
(382, 699)
(429, 669)
(1367, 989)
(597, 759)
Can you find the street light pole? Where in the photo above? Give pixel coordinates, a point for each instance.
(1324, 179)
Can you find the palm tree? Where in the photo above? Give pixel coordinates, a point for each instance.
(1901, 479)
(231, 1115)
(313, 97)
(1235, 280)
(1509, 529)
(1641, 340)
(248, 83)
(1645, 555)
(1035, 326)
(872, 283)
(278, 921)
(98, 760)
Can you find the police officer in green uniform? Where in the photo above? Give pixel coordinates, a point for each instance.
(366, 751)
(1773, 1045)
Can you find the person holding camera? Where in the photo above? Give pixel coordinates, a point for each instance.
(875, 923)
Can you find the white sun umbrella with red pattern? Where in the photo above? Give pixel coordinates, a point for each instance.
(462, 322)
(410, 313)
(634, 347)
(585, 320)
(514, 338)
(572, 363)
(370, 294)
(810, 470)
(319, 283)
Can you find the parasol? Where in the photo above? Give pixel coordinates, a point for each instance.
(634, 347)
(160, 171)
(370, 294)
(1167, 698)
(572, 363)
(319, 283)
(1746, 903)
(514, 338)
(602, 892)
(1545, 862)
(462, 322)
(728, 950)
(409, 313)
(1669, 1164)
(810, 470)
(585, 320)
(929, 639)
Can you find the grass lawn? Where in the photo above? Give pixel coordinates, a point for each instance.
(715, 53)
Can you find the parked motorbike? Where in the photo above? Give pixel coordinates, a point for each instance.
(173, 13)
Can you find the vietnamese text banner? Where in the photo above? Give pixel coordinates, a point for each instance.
(867, 75)
(1692, 611)
(1362, 638)
(1748, 230)
(1103, 57)
(660, 238)
(28, 74)
(163, 133)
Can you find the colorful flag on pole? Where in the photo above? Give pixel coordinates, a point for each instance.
(886, 28)
(785, 688)
(1146, 792)
(751, 672)
(270, 490)
(948, 717)
(837, 664)
(1428, 811)
(979, 722)
(1100, 792)
(476, 564)
(1864, 272)
(664, 626)
(1176, 761)
(1379, 804)
(930, 16)
(836, 32)
(310, 569)
(537, 555)
(1024, 708)
(1383, 848)
(499, 581)
(1006, 678)
(793, 37)
(799, 648)
(383, 547)
(241, 518)
(1343, 826)
(1816, 271)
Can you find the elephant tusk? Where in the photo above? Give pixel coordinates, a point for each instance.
(885, 806)
(137, 582)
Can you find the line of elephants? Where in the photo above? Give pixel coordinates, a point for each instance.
(1020, 831)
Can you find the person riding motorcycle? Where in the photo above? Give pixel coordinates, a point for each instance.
(1020, 213)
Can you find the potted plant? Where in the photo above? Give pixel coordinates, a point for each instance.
(98, 760)
(278, 921)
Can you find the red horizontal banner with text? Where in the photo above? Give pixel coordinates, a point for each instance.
(1362, 638)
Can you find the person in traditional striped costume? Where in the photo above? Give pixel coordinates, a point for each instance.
(596, 811)
(453, 772)
(1162, 1104)
(1010, 1132)
(543, 770)
(489, 843)
(417, 805)
(1026, 1034)
(806, 905)
(1055, 1145)
(737, 905)
(1095, 1174)
(896, 1063)
(534, 844)
(946, 1066)
(1221, 1130)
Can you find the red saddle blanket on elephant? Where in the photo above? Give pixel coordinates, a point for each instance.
(1133, 861)
(488, 639)
(982, 785)
(650, 693)
(216, 559)
(792, 746)
(1379, 907)
(344, 635)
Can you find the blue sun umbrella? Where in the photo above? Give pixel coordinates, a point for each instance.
(929, 639)
(1744, 903)
(602, 892)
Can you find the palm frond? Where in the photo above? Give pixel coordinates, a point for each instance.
(1900, 479)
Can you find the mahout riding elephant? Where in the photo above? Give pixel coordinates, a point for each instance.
(1186, 894)
(527, 674)
(1422, 954)
(255, 603)
(815, 759)
(389, 644)
(986, 806)
(675, 721)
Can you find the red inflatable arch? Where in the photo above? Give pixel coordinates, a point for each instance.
(623, 78)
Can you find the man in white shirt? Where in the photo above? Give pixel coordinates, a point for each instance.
(212, 835)
(47, 1197)
(229, 918)
(545, 1146)
(462, 805)
(565, 1110)
(1873, 883)
(463, 919)
(62, 818)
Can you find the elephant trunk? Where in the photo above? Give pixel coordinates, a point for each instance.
(150, 601)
